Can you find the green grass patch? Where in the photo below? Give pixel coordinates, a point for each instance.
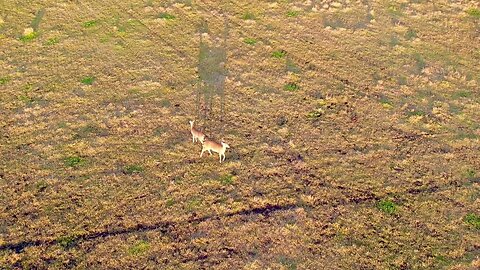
(227, 179)
(74, 161)
(248, 16)
(52, 41)
(139, 248)
(132, 169)
(292, 13)
(474, 12)
(387, 206)
(4, 80)
(90, 24)
(87, 80)
(29, 37)
(67, 242)
(473, 220)
(279, 54)
(291, 87)
(250, 41)
(166, 16)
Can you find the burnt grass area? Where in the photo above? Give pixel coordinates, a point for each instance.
(353, 128)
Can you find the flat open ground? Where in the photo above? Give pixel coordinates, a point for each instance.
(354, 131)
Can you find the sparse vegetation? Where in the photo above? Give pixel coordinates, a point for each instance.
(288, 263)
(74, 161)
(470, 173)
(89, 24)
(250, 41)
(474, 12)
(4, 80)
(315, 113)
(41, 186)
(473, 220)
(227, 179)
(133, 169)
(292, 13)
(291, 87)
(279, 54)
(29, 36)
(88, 80)
(410, 34)
(52, 41)
(248, 16)
(67, 242)
(386, 103)
(387, 206)
(353, 128)
(166, 16)
(139, 248)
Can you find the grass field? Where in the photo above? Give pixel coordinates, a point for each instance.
(354, 128)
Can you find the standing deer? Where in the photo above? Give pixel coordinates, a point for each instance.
(196, 134)
(209, 146)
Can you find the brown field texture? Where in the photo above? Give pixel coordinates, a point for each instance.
(354, 129)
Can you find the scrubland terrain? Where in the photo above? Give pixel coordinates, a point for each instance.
(354, 129)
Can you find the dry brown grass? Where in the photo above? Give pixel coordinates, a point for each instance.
(369, 162)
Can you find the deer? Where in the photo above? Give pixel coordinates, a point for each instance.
(196, 134)
(220, 148)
